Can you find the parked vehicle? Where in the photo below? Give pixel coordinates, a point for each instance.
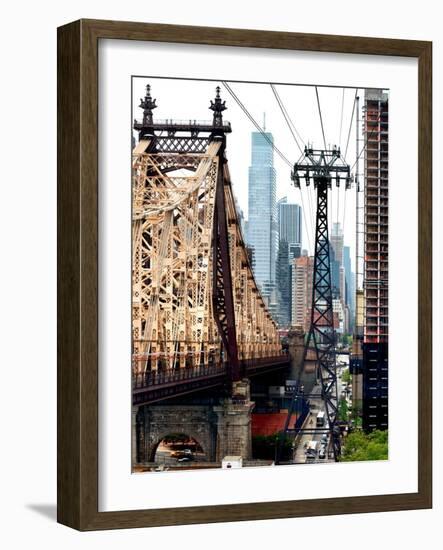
(188, 458)
(311, 450)
(321, 418)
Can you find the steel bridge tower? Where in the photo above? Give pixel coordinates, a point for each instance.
(185, 141)
(320, 166)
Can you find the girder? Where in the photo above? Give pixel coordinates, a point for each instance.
(185, 230)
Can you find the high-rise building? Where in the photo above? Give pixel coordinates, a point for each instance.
(289, 222)
(339, 314)
(337, 245)
(283, 276)
(335, 273)
(356, 357)
(349, 284)
(262, 210)
(302, 274)
(294, 251)
(375, 328)
(337, 242)
(289, 247)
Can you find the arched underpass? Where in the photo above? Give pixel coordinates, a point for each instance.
(178, 449)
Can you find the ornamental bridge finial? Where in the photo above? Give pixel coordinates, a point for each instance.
(148, 105)
(218, 106)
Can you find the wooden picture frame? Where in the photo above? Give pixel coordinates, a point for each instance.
(78, 273)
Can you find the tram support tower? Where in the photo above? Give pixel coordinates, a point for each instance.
(322, 166)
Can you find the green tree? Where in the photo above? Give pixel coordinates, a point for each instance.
(359, 445)
(346, 339)
(265, 446)
(346, 376)
(342, 410)
(355, 413)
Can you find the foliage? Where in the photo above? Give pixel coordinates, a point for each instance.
(346, 376)
(342, 410)
(358, 421)
(265, 446)
(362, 446)
(346, 339)
(356, 416)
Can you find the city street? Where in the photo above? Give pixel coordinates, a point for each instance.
(316, 406)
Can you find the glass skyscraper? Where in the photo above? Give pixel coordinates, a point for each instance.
(289, 247)
(262, 217)
(289, 222)
(349, 281)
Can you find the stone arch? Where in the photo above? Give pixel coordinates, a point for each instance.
(158, 421)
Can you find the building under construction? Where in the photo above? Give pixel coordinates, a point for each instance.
(375, 281)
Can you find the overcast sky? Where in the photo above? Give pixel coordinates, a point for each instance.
(189, 99)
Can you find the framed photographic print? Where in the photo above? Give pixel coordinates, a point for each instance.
(244, 275)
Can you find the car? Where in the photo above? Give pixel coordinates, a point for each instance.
(324, 439)
(188, 458)
(322, 453)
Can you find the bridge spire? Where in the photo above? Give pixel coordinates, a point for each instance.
(218, 106)
(148, 105)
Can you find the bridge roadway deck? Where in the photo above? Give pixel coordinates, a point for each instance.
(156, 386)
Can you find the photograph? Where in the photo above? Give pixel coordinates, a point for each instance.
(260, 229)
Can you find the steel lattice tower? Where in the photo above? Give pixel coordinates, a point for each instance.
(321, 166)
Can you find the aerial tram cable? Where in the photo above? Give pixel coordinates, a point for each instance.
(331, 210)
(289, 122)
(362, 150)
(257, 126)
(350, 124)
(341, 117)
(294, 131)
(359, 155)
(321, 118)
(364, 147)
(262, 132)
(345, 155)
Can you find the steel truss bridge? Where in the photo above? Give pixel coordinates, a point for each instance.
(199, 320)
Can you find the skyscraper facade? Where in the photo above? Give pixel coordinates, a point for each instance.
(289, 247)
(337, 242)
(289, 222)
(375, 328)
(335, 273)
(349, 287)
(302, 274)
(283, 276)
(337, 245)
(262, 218)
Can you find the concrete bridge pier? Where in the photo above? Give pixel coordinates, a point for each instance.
(296, 343)
(234, 423)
